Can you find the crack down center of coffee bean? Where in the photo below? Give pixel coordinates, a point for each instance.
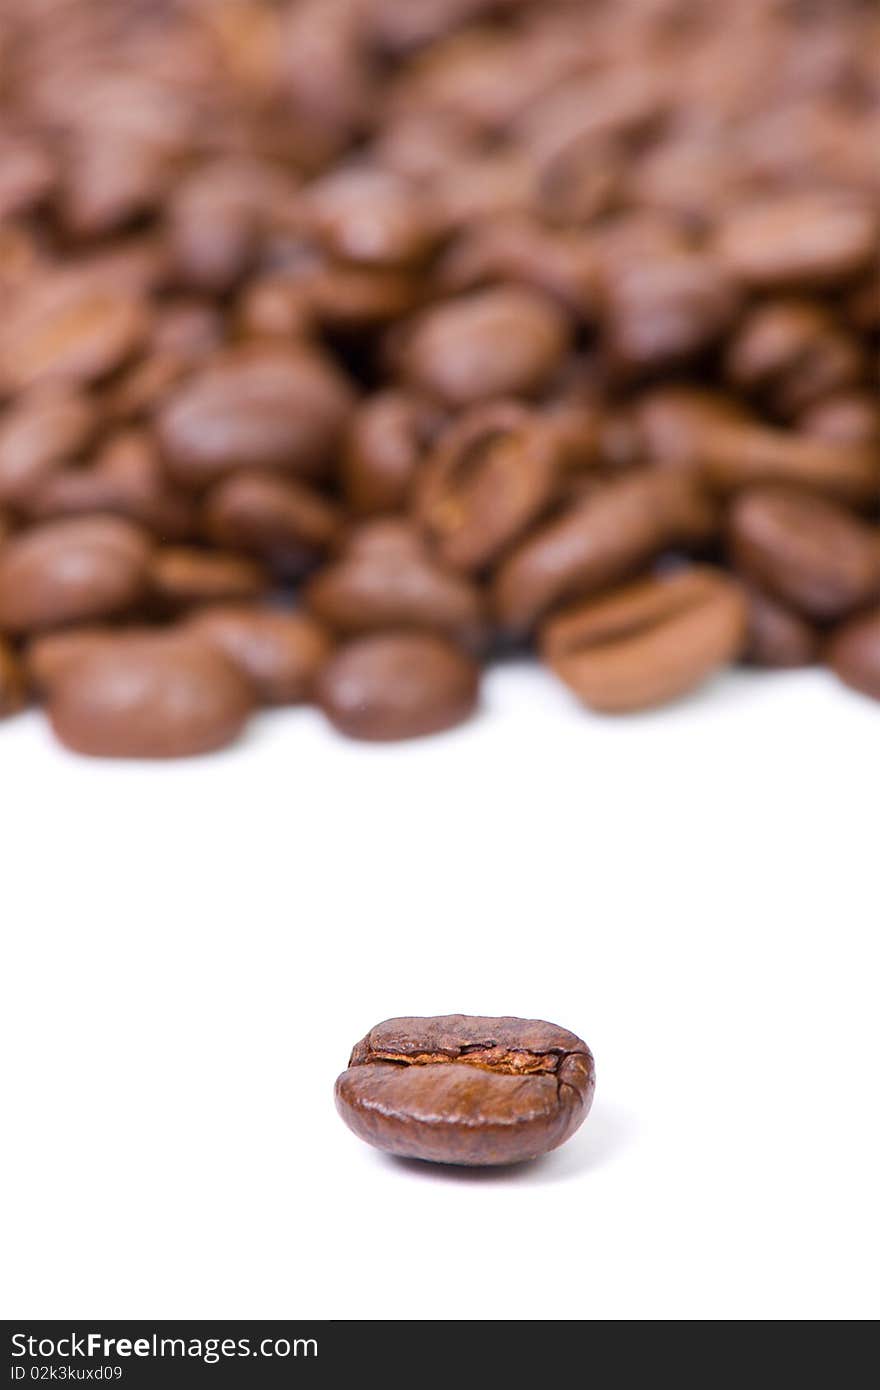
(487, 1056)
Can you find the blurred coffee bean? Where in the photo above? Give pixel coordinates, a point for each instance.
(492, 473)
(397, 685)
(285, 522)
(279, 652)
(648, 643)
(495, 342)
(385, 447)
(387, 579)
(183, 576)
(806, 550)
(72, 571)
(157, 695)
(854, 654)
(43, 429)
(13, 694)
(603, 539)
(778, 637)
(257, 407)
(799, 240)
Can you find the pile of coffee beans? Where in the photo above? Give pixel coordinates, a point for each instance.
(348, 344)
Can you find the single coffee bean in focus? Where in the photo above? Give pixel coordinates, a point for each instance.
(467, 1090)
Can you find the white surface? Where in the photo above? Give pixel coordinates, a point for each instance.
(191, 950)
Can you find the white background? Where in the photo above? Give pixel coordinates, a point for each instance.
(192, 949)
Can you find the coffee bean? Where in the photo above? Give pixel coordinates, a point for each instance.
(739, 454)
(661, 310)
(13, 694)
(492, 343)
(282, 520)
(258, 406)
(494, 471)
(72, 571)
(71, 327)
(368, 215)
(648, 643)
(397, 685)
(279, 652)
(162, 695)
(799, 239)
(386, 445)
(854, 653)
(387, 579)
(465, 1090)
(778, 637)
(181, 576)
(46, 427)
(603, 539)
(807, 551)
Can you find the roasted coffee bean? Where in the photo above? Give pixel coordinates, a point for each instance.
(778, 637)
(605, 538)
(387, 579)
(739, 454)
(124, 479)
(181, 576)
(492, 343)
(72, 571)
(44, 429)
(854, 653)
(73, 326)
(256, 406)
(465, 1090)
(162, 695)
(807, 551)
(648, 643)
(494, 471)
(283, 521)
(794, 353)
(279, 652)
(799, 239)
(662, 309)
(397, 685)
(850, 418)
(368, 215)
(48, 655)
(13, 694)
(386, 445)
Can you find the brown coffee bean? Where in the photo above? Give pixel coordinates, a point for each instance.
(660, 310)
(48, 655)
(161, 695)
(387, 579)
(496, 342)
(44, 428)
(740, 454)
(68, 326)
(279, 652)
(27, 174)
(386, 444)
(13, 695)
(286, 523)
(71, 571)
(523, 251)
(108, 181)
(181, 576)
(649, 643)
(806, 550)
(215, 217)
(255, 406)
(126, 479)
(778, 637)
(493, 472)
(792, 352)
(854, 653)
(397, 685)
(368, 215)
(609, 536)
(849, 418)
(274, 306)
(799, 239)
(466, 1090)
(674, 425)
